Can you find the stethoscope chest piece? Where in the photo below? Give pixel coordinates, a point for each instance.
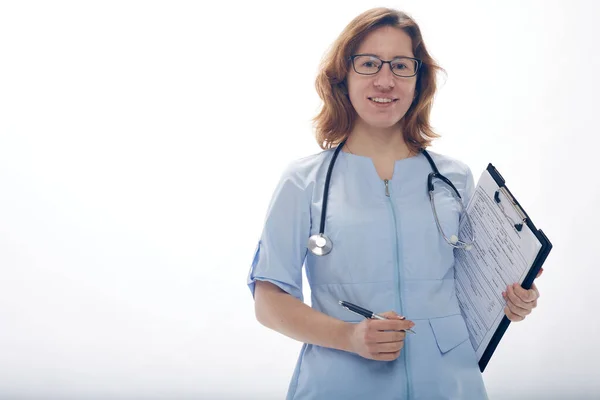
(319, 244)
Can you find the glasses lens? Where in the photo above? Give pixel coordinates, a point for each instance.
(367, 65)
(404, 66)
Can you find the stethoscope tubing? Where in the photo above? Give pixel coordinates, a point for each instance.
(321, 245)
(326, 186)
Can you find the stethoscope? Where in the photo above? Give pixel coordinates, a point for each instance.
(320, 244)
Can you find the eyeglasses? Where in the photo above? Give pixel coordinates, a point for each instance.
(366, 64)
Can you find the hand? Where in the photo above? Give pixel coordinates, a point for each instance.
(380, 339)
(520, 302)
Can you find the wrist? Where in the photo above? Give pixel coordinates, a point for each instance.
(344, 336)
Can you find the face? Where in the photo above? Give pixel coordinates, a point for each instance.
(364, 90)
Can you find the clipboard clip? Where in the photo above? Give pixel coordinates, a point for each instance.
(520, 213)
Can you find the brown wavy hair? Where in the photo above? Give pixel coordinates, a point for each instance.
(336, 119)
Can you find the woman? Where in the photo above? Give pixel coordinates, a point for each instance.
(377, 84)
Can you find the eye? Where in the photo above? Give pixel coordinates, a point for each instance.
(369, 62)
(404, 67)
(366, 65)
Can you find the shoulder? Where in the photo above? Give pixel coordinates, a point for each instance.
(299, 179)
(303, 171)
(456, 170)
(449, 164)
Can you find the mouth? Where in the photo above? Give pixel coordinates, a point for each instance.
(382, 100)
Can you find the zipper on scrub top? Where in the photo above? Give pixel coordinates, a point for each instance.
(398, 279)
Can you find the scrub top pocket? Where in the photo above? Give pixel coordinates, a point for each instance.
(449, 332)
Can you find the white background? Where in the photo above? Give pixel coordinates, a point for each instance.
(140, 143)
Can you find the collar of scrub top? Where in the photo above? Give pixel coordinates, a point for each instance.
(320, 244)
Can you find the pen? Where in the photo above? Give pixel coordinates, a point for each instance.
(364, 312)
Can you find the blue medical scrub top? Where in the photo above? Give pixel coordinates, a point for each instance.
(387, 255)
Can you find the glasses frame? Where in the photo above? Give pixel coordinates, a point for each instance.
(419, 63)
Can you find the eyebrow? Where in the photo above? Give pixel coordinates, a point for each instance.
(378, 56)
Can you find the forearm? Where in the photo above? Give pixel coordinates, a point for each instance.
(287, 315)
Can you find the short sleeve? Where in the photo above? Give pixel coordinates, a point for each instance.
(281, 250)
(469, 187)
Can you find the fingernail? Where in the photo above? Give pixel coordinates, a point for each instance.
(401, 317)
(503, 294)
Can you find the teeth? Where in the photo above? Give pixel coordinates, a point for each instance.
(381, 100)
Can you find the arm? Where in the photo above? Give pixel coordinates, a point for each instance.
(374, 339)
(278, 259)
(275, 279)
(285, 314)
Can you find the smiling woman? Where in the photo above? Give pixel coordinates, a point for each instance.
(399, 36)
(379, 98)
(377, 86)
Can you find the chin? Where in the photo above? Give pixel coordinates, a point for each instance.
(382, 124)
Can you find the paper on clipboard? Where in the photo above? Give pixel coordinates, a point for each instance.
(501, 255)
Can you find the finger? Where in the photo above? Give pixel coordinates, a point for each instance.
(512, 316)
(523, 312)
(386, 356)
(535, 289)
(392, 315)
(539, 273)
(390, 337)
(387, 347)
(516, 305)
(391, 325)
(526, 295)
(514, 298)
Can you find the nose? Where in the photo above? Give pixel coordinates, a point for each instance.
(384, 79)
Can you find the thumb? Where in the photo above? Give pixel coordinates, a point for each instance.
(392, 315)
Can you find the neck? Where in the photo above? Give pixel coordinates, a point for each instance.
(378, 143)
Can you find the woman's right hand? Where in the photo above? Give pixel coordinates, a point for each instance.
(380, 339)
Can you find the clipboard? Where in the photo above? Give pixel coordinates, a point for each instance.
(539, 260)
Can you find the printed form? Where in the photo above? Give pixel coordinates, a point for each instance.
(500, 256)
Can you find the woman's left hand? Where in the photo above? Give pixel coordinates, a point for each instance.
(520, 302)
